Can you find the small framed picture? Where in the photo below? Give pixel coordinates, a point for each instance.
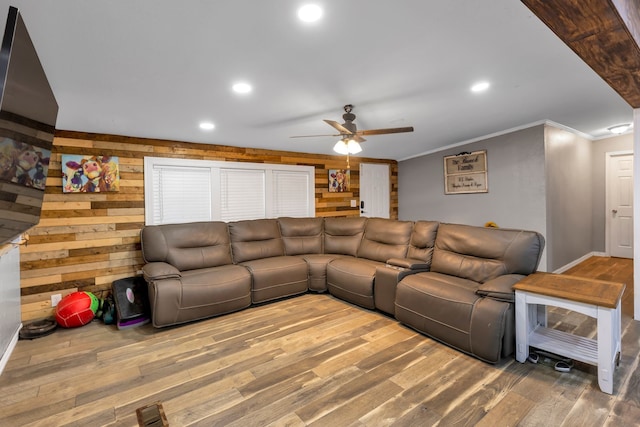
(338, 180)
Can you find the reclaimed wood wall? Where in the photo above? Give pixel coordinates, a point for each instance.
(85, 241)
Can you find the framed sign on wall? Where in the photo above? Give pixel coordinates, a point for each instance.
(466, 173)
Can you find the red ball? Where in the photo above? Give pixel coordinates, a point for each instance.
(76, 309)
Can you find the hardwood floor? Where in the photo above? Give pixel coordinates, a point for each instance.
(309, 360)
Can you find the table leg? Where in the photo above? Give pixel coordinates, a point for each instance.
(522, 327)
(608, 345)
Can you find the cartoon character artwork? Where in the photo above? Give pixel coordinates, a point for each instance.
(23, 163)
(90, 174)
(338, 180)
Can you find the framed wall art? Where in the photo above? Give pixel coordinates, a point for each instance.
(466, 173)
(338, 180)
(90, 174)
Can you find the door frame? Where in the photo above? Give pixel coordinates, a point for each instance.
(607, 192)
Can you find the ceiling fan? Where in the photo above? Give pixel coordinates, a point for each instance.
(350, 136)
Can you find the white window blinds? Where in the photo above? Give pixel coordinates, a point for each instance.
(181, 192)
(242, 194)
(290, 195)
(185, 190)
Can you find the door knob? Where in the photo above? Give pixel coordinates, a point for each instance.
(614, 211)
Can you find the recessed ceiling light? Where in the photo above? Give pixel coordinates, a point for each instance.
(480, 87)
(207, 126)
(241, 87)
(619, 129)
(310, 13)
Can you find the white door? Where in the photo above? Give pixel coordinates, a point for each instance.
(620, 204)
(375, 191)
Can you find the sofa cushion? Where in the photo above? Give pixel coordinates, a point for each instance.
(481, 254)
(277, 277)
(255, 239)
(384, 239)
(301, 235)
(343, 235)
(187, 246)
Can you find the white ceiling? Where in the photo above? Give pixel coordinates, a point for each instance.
(156, 68)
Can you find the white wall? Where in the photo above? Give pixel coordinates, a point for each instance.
(9, 301)
(569, 195)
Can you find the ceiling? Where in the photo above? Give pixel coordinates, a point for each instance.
(157, 68)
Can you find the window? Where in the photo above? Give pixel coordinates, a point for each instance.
(184, 190)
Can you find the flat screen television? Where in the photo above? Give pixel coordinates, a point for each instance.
(28, 114)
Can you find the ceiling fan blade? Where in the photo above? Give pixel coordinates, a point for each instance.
(385, 131)
(314, 136)
(343, 130)
(357, 138)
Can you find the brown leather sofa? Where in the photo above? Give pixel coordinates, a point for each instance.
(451, 282)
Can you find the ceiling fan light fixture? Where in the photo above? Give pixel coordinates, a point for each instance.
(353, 147)
(341, 147)
(347, 146)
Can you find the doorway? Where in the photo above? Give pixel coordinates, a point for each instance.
(375, 193)
(619, 204)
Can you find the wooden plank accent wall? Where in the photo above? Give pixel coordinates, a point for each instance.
(85, 241)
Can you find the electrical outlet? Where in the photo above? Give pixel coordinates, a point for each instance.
(55, 299)
(353, 203)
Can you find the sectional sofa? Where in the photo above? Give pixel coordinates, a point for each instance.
(451, 282)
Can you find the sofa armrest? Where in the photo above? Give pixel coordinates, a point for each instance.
(410, 263)
(159, 270)
(500, 288)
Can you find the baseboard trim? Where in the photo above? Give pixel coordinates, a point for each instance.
(5, 357)
(578, 261)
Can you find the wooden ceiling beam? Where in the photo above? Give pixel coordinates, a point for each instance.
(604, 33)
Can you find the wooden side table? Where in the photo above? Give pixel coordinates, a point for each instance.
(595, 298)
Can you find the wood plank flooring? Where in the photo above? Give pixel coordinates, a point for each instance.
(310, 360)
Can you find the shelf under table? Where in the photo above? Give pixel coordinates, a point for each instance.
(563, 343)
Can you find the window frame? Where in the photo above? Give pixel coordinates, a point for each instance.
(215, 168)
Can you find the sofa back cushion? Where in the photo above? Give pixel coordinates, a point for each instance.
(343, 235)
(301, 236)
(255, 239)
(384, 239)
(423, 239)
(481, 254)
(187, 246)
